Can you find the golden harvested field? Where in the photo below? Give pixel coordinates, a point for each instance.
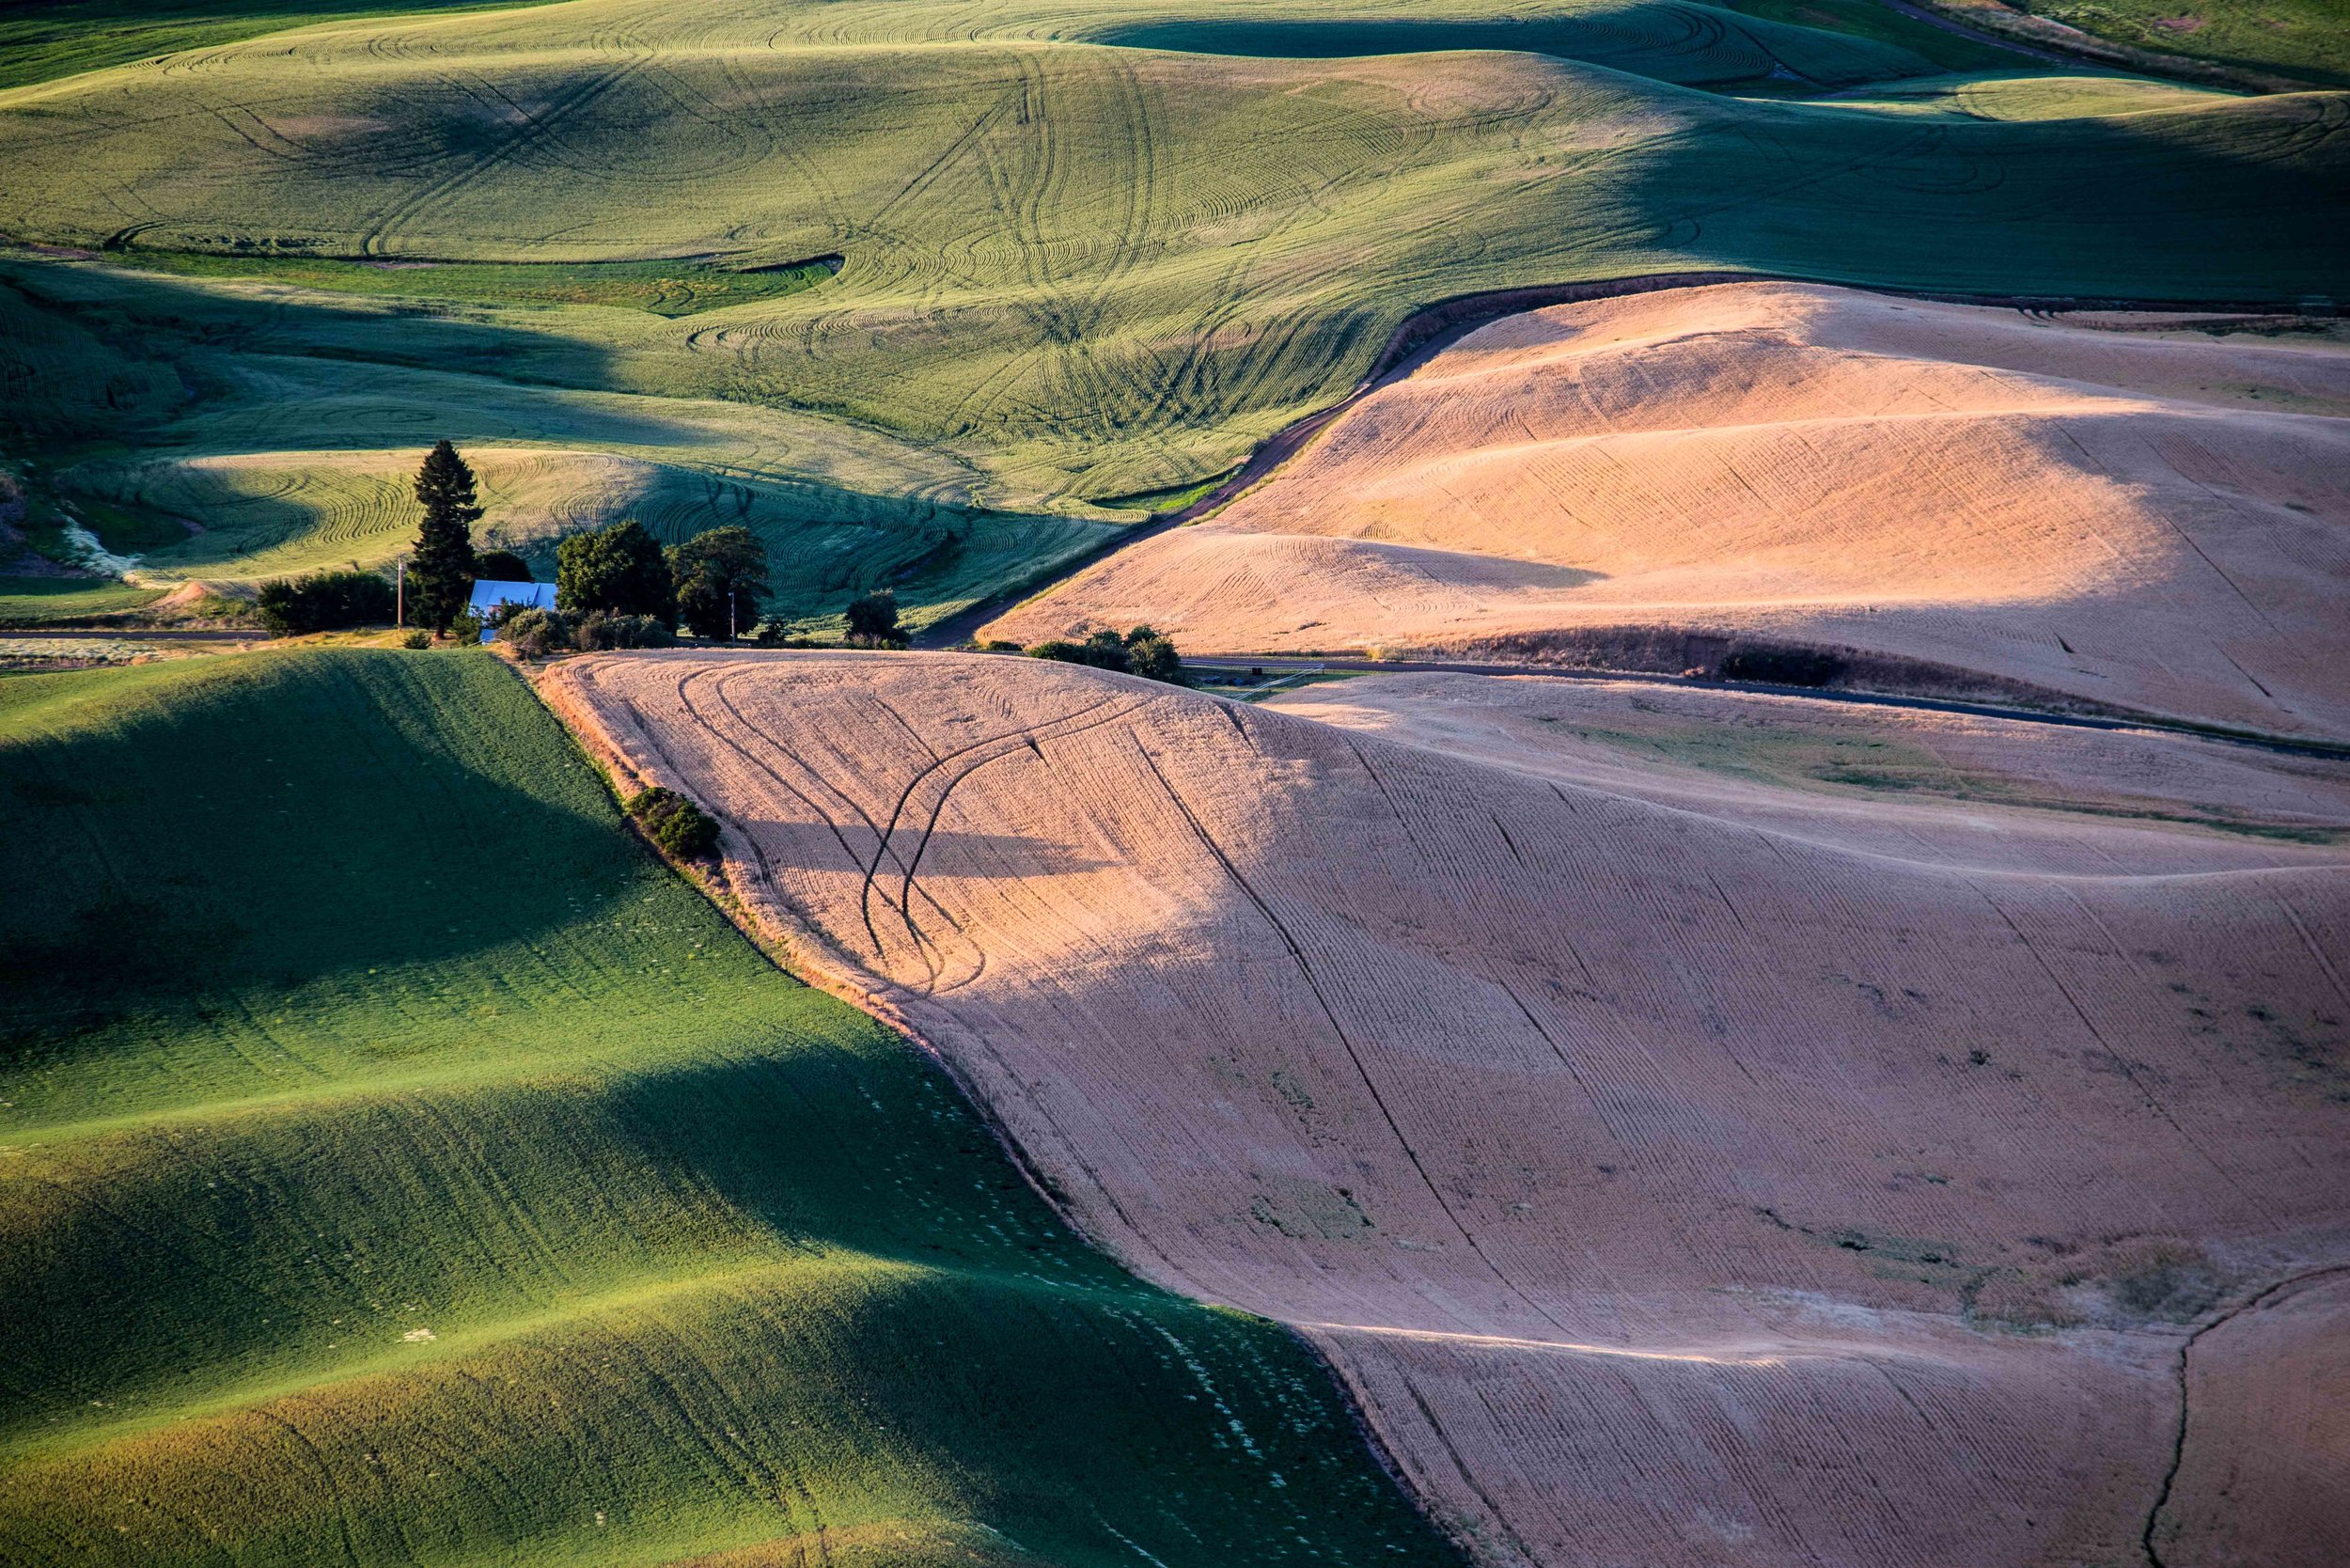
(1797, 760)
(1677, 1177)
(2157, 520)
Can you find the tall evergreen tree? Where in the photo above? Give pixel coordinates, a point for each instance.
(440, 573)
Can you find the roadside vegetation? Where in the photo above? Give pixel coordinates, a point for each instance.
(670, 289)
(402, 1166)
(328, 601)
(1142, 651)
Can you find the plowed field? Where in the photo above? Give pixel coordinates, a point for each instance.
(2158, 519)
(1675, 1182)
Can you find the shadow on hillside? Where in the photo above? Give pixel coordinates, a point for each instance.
(2129, 207)
(1666, 40)
(187, 847)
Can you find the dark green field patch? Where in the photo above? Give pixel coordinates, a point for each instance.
(672, 288)
(1691, 45)
(1866, 19)
(48, 601)
(401, 1166)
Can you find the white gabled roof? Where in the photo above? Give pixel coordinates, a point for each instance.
(531, 596)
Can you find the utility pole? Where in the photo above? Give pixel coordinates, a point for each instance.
(399, 597)
(730, 612)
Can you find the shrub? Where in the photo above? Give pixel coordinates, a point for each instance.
(535, 634)
(598, 632)
(618, 569)
(1102, 650)
(465, 628)
(418, 638)
(1154, 658)
(324, 602)
(680, 828)
(873, 621)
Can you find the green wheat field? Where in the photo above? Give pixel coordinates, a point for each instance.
(404, 1165)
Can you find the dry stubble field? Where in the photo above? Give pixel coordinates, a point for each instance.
(1735, 1180)
(2153, 520)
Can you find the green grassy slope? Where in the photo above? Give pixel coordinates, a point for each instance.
(400, 1166)
(40, 40)
(161, 402)
(1073, 271)
(2308, 39)
(39, 600)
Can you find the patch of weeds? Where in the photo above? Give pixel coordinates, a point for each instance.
(2120, 1282)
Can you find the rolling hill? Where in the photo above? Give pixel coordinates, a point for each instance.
(399, 1165)
(2152, 520)
(1082, 259)
(1743, 1176)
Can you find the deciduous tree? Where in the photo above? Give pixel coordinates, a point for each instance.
(721, 578)
(618, 569)
(873, 621)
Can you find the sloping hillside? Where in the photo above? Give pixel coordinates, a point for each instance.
(1678, 1183)
(1083, 260)
(400, 1166)
(2154, 520)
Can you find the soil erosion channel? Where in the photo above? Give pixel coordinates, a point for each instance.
(1758, 1175)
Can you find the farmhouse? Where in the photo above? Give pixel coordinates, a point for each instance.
(489, 596)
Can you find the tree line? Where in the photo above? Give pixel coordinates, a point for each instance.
(715, 585)
(616, 586)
